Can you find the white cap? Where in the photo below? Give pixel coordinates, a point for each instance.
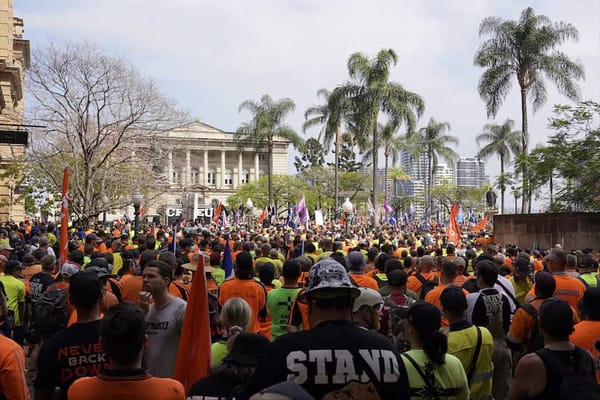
(367, 297)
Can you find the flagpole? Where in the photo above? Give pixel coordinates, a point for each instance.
(64, 219)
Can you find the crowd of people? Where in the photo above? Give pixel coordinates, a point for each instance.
(323, 313)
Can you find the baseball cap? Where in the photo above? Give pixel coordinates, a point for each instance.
(243, 261)
(424, 316)
(99, 272)
(587, 261)
(328, 277)
(522, 263)
(247, 349)
(454, 299)
(367, 297)
(13, 265)
(68, 270)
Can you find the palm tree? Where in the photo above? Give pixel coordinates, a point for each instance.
(433, 140)
(502, 141)
(372, 92)
(526, 49)
(267, 123)
(392, 145)
(330, 115)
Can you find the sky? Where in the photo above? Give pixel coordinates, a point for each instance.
(210, 56)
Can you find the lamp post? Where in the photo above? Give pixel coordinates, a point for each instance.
(347, 208)
(136, 199)
(516, 194)
(250, 207)
(105, 204)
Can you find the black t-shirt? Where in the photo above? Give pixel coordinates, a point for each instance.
(213, 388)
(331, 359)
(39, 283)
(71, 353)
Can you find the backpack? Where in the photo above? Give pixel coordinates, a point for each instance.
(536, 339)
(397, 314)
(49, 314)
(579, 379)
(426, 285)
(213, 308)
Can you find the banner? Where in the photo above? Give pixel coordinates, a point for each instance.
(218, 212)
(262, 217)
(301, 210)
(388, 208)
(193, 354)
(319, 218)
(481, 225)
(64, 220)
(453, 232)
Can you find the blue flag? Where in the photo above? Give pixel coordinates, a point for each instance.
(472, 217)
(460, 218)
(227, 258)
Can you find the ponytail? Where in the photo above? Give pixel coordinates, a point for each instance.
(436, 347)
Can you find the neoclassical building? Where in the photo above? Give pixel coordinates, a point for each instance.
(203, 166)
(14, 59)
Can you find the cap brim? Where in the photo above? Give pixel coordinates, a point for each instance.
(329, 293)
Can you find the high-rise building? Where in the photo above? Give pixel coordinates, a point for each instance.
(443, 175)
(470, 172)
(14, 60)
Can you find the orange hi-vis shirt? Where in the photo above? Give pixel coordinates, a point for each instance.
(13, 383)
(364, 280)
(266, 322)
(112, 384)
(567, 288)
(415, 284)
(586, 335)
(131, 288)
(248, 289)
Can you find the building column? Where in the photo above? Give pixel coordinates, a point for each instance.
(170, 166)
(239, 174)
(205, 174)
(256, 170)
(188, 168)
(222, 168)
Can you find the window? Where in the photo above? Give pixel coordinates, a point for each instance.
(261, 157)
(210, 177)
(194, 176)
(261, 173)
(228, 178)
(175, 176)
(245, 176)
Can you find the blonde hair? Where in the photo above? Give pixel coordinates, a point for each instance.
(236, 312)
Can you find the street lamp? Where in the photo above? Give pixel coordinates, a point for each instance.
(347, 208)
(516, 194)
(136, 199)
(250, 207)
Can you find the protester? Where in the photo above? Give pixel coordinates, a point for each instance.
(13, 382)
(235, 317)
(14, 289)
(280, 301)
(164, 319)
(363, 364)
(124, 339)
(76, 351)
(367, 309)
(586, 333)
(430, 369)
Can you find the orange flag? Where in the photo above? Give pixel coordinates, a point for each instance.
(453, 232)
(218, 212)
(481, 224)
(262, 217)
(64, 220)
(193, 355)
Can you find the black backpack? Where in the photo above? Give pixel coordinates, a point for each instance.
(426, 285)
(49, 314)
(579, 379)
(536, 339)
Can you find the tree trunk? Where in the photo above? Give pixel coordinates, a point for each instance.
(502, 184)
(526, 194)
(551, 190)
(270, 170)
(375, 151)
(430, 179)
(338, 138)
(385, 176)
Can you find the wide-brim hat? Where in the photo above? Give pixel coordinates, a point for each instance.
(328, 279)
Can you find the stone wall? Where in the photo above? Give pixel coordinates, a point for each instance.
(574, 230)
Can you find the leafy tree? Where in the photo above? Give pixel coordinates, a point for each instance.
(313, 155)
(448, 194)
(525, 49)
(323, 181)
(433, 140)
(96, 108)
(502, 141)
(570, 156)
(267, 123)
(347, 159)
(371, 93)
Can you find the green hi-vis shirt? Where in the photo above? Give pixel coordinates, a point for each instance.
(279, 303)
